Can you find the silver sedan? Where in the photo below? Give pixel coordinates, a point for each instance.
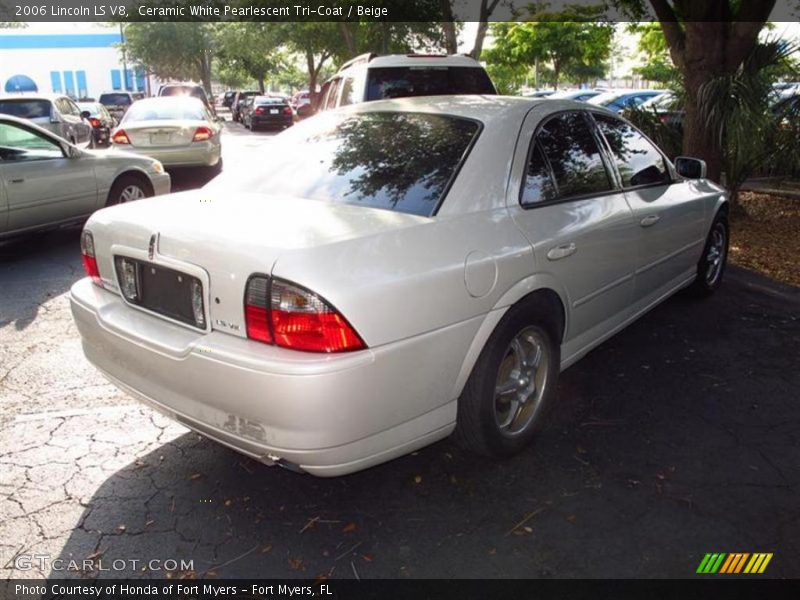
(403, 271)
(178, 131)
(47, 182)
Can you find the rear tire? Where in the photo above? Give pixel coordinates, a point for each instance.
(128, 188)
(513, 383)
(712, 263)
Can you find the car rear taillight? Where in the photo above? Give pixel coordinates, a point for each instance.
(260, 110)
(287, 315)
(256, 310)
(287, 110)
(95, 122)
(120, 137)
(202, 134)
(88, 257)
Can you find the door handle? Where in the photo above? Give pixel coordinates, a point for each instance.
(16, 180)
(561, 251)
(650, 220)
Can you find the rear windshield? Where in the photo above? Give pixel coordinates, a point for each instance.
(345, 158)
(25, 109)
(92, 109)
(115, 99)
(400, 82)
(269, 100)
(165, 110)
(183, 90)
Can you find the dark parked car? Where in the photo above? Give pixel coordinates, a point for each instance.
(227, 100)
(100, 119)
(195, 90)
(618, 100)
(117, 103)
(268, 111)
(237, 100)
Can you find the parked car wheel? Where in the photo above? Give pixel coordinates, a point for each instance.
(711, 266)
(128, 188)
(217, 168)
(512, 384)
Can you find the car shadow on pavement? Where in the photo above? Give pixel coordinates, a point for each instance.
(25, 289)
(675, 438)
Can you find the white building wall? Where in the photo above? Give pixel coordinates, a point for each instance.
(19, 55)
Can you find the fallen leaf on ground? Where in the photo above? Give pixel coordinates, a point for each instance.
(296, 564)
(349, 528)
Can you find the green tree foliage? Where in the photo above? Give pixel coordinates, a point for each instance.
(251, 49)
(707, 39)
(574, 42)
(653, 48)
(172, 50)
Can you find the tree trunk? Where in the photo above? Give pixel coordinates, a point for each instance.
(449, 27)
(711, 42)
(205, 72)
(261, 83)
(349, 38)
(477, 49)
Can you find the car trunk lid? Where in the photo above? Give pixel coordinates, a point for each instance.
(155, 134)
(231, 239)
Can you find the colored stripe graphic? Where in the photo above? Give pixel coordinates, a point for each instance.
(734, 563)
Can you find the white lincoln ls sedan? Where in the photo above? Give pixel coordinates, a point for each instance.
(397, 272)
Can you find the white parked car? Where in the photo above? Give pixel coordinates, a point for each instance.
(402, 270)
(177, 130)
(47, 182)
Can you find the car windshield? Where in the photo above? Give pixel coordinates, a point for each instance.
(115, 99)
(172, 109)
(345, 158)
(401, 82)
(25, 109)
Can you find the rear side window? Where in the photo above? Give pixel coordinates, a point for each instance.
(401, 82)
(638, 160)
(348, 96)
(25, 109)
(573, 158)
(115, 99)
(345, 158)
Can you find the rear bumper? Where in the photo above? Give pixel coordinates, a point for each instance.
(327, 414)
(196, 154)
(276, 121)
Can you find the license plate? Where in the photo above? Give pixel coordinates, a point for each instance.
(158, 139)
(273, 111)
(166, 291)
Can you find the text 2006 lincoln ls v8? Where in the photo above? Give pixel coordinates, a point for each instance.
(395, 272)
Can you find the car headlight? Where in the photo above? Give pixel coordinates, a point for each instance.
(158, 167)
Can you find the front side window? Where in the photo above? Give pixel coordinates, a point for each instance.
(574, 158)
(639, 162)
(20, 144)
(345, 158)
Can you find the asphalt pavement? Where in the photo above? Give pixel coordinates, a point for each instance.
(678, 437)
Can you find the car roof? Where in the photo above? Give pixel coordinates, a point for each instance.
(487, 109)
(412, 60)
(33, 96)
(167, 99)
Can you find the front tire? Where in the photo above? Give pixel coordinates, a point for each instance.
(128, 188)
(512, 384)
(712, 263)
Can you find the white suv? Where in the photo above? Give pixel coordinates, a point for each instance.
(371, 77)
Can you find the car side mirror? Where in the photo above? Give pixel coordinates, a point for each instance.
(85, 114)
(690, 168)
